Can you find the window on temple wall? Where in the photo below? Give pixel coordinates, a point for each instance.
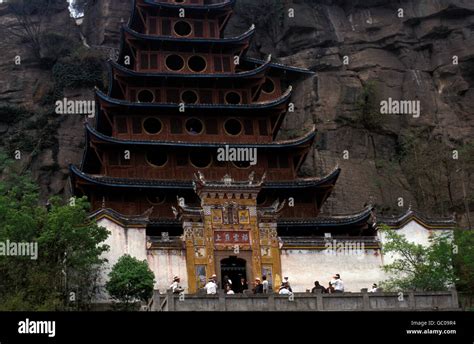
(152, 25)
(117, 158)
(268, 86)
(211, 127)
(176, 126)
(121, 123)
(218, 64)
(181, 159)
(194, 126)
(198, 29)
(233, 98)
(137, 125)
(200, 159)
(205, 96)
(157, 157)
(166, 27)
(197, 63)
(174, 62)
(189, 97)
(182, 28)
(152, 125)
(156, 197)
(144, 61)
(172, 96)
(222, 64)
(248, 127)
(145, 96)
(233, 127)
(212, 29)
(262, 127)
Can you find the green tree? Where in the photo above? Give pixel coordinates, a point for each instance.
(418, 267)
(69, 246)
(130, 280)
(464, 259)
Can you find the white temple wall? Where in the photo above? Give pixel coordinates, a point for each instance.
(121, 241)
(414, 232)
(166, 264)
(304, 266)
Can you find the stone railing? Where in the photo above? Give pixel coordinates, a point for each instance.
(363, 301)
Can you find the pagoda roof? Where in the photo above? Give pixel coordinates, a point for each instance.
(296, 71)
(285, 97)
(225, 5)
(361, 217)
(396, 222)
(101, 138)
(255, 73)
(188, 184)
(241, 40)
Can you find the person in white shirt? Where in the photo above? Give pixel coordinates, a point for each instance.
(374, 288)
(265, 284)
(211, 287)
(284, 290)
(175, 287)
(337, 284)
(228, 290)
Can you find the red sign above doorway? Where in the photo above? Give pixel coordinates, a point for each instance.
(232, 237)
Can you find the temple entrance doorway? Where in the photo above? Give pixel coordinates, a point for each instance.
(234, 268)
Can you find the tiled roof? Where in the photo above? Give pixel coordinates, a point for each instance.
(242, 107)
(410, 215)
(178, 184)
(272, 145)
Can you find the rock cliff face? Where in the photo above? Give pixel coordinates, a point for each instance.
(363, 52)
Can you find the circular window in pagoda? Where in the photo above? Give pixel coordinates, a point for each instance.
(233, 127)
(197, 63)
(268, 86)
(194, 126)
(152, 125)
(157, 158)
(241, 164)
(200, 159)
(145, 96)
(182, 28)
(174, 62)
(157, 197)
(233, 98)
(189, 97)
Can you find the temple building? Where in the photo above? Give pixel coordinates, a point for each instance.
(182, 164)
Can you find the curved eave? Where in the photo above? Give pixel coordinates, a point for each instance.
(328, 180)
(243, 39)
(410, 215)
(98, 137)
(302, 72)
(176, 184)
(119, 218)
(128, 183)
(221, 6)
(360, 218)
(257, 72)
(255, 106)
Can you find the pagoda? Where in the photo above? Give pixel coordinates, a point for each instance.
(178, 93)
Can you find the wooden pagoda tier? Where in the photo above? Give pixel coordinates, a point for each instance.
(180, 91)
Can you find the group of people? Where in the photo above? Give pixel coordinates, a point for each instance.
(336, 285)
(262, 286)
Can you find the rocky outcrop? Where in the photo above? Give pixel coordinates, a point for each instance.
(403, 50)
